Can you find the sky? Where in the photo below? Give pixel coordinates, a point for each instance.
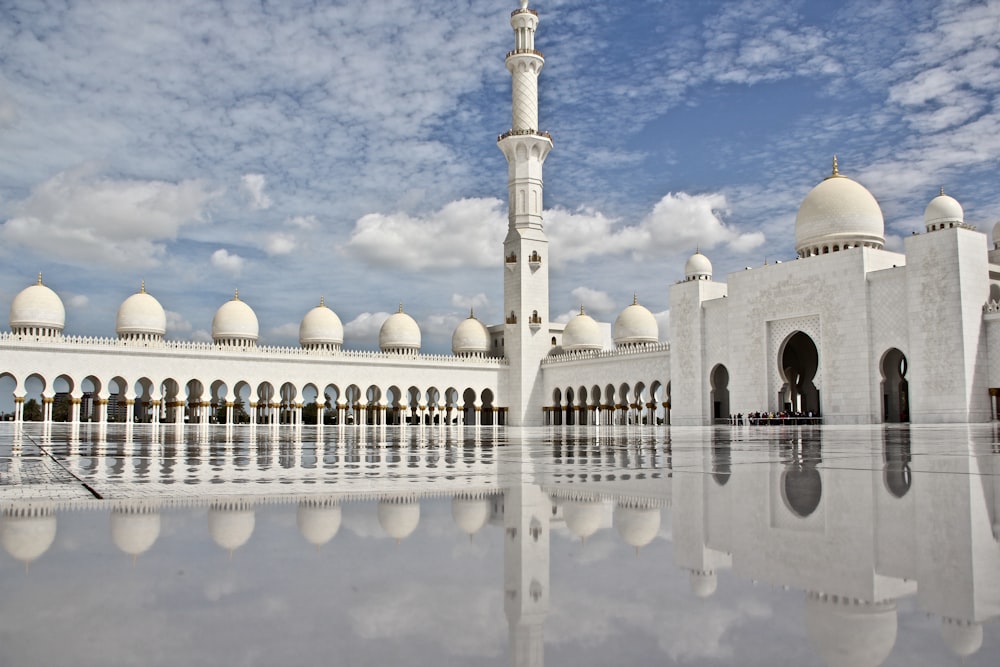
(299, 150)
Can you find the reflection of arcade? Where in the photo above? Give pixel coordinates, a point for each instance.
(853, 536)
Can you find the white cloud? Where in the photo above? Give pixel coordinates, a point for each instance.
(477, 301)
(253, 186)
(463, 233)
(177, 324)
(365, 327)
(201, 336)
(663, 323)
(286, 332)
(279, 244)
(79, 301)
(226, 261)
(305, 222)
(79, 217)
(594, 301)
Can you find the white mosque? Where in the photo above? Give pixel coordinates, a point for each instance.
(849, 333)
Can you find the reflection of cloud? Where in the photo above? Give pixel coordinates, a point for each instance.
(464, 621)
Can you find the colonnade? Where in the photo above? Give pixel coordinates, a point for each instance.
(604, 414)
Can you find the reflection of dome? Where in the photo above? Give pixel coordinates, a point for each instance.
(134, 530)
(704, 583)
(846, 631)
(231, 524)
(398, 518)
(27, 533)
(943, 212)
(698, 267)
(318, 520)
(582, 333)
(470, 514)
(636, 326)
(963, 637)
(802, 487)
(638, 526)
(583, 517)
(235, 323)
(399, 333)
(141, 316)
(37, 311)
(321, 328)
(836, 214)
(470, 338)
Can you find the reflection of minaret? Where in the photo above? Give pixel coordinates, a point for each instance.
(526, 277)
(526, 570)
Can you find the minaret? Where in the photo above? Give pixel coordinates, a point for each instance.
(526, 273)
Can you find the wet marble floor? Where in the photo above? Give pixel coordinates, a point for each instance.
(447, 546)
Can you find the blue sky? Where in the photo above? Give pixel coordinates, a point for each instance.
(346, 150)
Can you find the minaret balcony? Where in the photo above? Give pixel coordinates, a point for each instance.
(524, 10)
(534, 261)
(523, 133)
(524, 52)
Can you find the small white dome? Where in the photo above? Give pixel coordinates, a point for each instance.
(318, 521)
(37, 307)
(28, 534)
(638, 526)
(470, 514)
(470, 337)
(835, 213)
(399, 333)
(582, 333)
(943, 211)
(636, 326)
(850, 633)
(704, 583)
(698, 267)
(235, 321)
(231, 524)
(321, 326)
(963, 637)
(583, 517)
(134, 531)
(141, 314)
(398, 518)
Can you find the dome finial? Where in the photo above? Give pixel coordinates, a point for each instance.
(941, 194)
(581, 310)
(635, 299)
(472, 313)
(39, 277)
(236, 295)
(836, 172)
(322, 303)
(400, 307)
(142, 287)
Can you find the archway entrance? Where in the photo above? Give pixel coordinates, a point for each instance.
(799, 361)
(720, 392)
(895, 388)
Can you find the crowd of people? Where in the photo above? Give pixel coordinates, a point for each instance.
(774, 418)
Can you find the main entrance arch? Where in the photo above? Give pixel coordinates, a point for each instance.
(798, 360)
(895, 388)
(720, 392)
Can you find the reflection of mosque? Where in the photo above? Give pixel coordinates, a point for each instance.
(854, 536)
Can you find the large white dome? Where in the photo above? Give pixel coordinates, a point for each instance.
(582, 333)
(638, 526)
(470, 337)
(943, 212)
(231, 524)
(28, 534)
(836, 214)
(135, 530)
(235, 322)
(398, 518)
(141, 315)
(318, 521)
(583, 517)
(399, 333)
(37, 309)
(321, 327)
(636, 326)
(698, 267)
(470, 514)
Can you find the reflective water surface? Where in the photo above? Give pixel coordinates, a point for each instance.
(443, 546)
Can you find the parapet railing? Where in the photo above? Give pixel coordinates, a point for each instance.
(623, 351)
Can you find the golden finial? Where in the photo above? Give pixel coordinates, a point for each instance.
(400, 307)
(836, 172)
(39, 277)
(635, 299)
(322, 304)
(236, 296)
(697, 248)
(581, 310)
(941, 194)
(472, 314)
(142, 287)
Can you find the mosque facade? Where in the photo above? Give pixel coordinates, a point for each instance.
(848, 332)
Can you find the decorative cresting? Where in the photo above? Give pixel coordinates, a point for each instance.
(37, 311)
(636, 326)
(141, 318)
(321, 329)
(235, 324)
(582, 333)
(471, 338)
(697, 267)
(399, 333)
(944, 212)
(838, 214)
